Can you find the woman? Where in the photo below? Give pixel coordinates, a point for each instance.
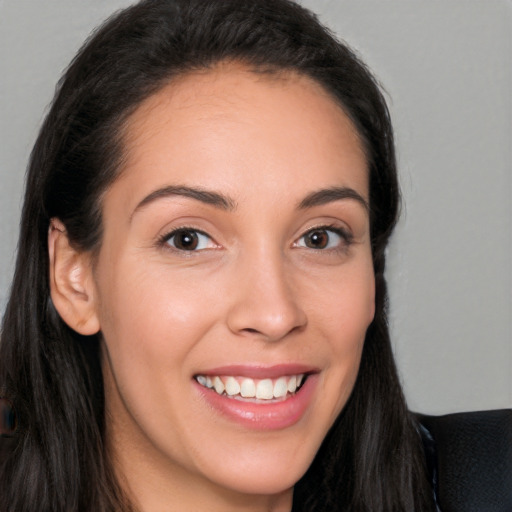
(198, 314)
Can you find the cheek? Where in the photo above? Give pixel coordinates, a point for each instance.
(343, 313)
(152, 301)
(150, 324)
(154, 320)
(345, 306)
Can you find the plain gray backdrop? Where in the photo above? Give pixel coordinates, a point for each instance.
(446, 66)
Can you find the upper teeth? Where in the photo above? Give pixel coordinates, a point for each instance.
(262, 389)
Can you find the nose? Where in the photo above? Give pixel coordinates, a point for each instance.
(265, 304)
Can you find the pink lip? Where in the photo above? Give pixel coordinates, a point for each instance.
(261, 416)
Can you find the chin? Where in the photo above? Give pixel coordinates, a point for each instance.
(261, 482)
(263, 475)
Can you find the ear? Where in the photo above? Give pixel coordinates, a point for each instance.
(71, 282)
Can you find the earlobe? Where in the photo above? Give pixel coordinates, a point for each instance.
(71, 284)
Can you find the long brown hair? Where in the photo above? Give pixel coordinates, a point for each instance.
(372, 458)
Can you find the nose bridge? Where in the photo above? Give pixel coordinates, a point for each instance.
(265, 303)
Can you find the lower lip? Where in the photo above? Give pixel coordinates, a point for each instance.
(263, 416)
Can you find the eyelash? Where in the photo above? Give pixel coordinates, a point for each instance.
(345, 236)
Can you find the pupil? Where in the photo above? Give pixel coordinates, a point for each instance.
(186, 240)
(317, 239)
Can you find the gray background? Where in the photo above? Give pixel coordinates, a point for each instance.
(446, 66)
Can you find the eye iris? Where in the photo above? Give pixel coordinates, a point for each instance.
(317, 239)
(186, 240)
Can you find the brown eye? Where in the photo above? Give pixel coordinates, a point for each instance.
(317, 239)
(185, 239)
(325, 238)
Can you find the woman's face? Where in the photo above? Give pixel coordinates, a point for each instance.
(235, 265)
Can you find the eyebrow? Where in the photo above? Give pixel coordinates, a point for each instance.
(204, 196)
(329, 195)
(218, 200)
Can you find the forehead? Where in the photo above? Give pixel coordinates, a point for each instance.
(232, 126)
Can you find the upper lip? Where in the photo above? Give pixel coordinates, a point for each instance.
(260, 371)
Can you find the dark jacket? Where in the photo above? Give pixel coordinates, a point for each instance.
(469, 457)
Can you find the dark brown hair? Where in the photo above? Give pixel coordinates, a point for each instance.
(372, 458)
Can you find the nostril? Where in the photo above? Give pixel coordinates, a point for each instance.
(251, 331)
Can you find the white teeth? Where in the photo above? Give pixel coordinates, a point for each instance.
(218, 385)
(265, 389)
(292, 384)
(248, 388)
(232, 386)
(280, 387)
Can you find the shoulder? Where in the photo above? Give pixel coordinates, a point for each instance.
(469, 456)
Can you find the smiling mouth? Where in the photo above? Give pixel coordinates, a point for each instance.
(247, 389)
